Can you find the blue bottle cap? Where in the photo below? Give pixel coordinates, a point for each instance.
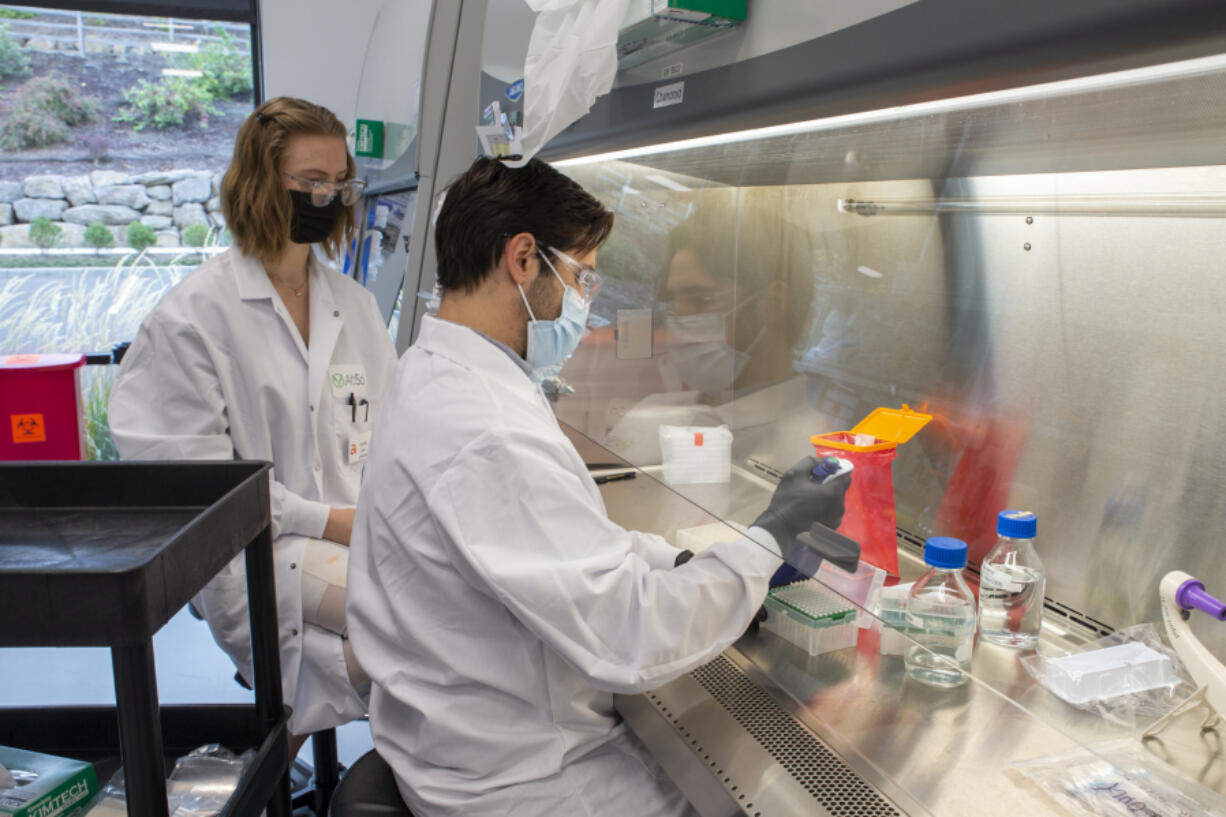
(1017, 524)
(945, 552)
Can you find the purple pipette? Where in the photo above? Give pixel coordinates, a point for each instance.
(1192, 594)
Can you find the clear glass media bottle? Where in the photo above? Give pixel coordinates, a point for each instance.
(1011, 584)
(941, 617)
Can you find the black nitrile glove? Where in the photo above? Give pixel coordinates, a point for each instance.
(799, 501)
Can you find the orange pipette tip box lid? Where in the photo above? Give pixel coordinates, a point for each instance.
(891, 427)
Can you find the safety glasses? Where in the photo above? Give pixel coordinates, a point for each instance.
(587, 278)
(322, 192)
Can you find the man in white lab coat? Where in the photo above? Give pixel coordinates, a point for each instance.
(493, 603)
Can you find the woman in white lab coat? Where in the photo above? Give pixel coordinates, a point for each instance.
(264, 353)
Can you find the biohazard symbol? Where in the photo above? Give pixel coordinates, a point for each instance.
(28, 428)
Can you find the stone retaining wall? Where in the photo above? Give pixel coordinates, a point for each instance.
(166, 200)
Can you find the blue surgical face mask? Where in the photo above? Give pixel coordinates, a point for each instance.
(551, 343)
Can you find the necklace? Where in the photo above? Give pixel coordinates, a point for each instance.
(297, 292)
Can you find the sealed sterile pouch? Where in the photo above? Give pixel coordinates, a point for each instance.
(200, 784)
(204, 780)
(696, 454)
(1131, 678)
(1118, 779)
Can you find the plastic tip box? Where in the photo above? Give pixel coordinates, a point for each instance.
(813, 618)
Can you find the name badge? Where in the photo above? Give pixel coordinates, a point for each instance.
(359, 447)
(347, 379)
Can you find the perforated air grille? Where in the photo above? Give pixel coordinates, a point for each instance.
(838, 789)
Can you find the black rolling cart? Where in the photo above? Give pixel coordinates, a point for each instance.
(102, 555)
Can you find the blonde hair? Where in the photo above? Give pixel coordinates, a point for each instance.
(254, 198)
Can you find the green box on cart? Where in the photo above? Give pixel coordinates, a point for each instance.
(45, 785)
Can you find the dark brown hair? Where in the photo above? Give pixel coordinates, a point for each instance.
(254, 199)
(490, 203)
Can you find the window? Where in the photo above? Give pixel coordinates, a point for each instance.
(115, 130)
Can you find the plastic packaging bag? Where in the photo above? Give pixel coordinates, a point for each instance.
(869, 505)
(572, 59)
(200, 785)
(1119, 779)
(204, 780)
(1131, 678)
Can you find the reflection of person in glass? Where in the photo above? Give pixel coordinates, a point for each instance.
(723, 303)
(731, 301)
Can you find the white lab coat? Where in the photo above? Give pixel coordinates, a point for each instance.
(219, 371)
(497, 608)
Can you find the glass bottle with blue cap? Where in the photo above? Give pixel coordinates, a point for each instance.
(941, 617)
(1011, 584)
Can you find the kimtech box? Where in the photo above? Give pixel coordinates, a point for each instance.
(45, 785)
(653, 28)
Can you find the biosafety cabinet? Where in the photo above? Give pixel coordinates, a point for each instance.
(1009, 216)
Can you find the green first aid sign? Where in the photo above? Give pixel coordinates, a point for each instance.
(368, 139)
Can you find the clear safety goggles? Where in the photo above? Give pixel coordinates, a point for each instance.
(697, 303)
(322, 191)
(587, 277)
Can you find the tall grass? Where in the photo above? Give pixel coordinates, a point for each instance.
(80, 312)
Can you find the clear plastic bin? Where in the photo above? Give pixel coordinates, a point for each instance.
(811, 617)
(1108, 673)
(862, 587)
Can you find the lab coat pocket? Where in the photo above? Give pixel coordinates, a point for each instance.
(352, 419)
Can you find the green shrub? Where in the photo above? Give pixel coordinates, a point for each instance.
(31, 128)
(45, 233)
(225, 64)
(15, 14)
(194, 235)
(99, 235)
(13, 61)
(169, 101)
(44, 109)
(56, 97)
(141, 236)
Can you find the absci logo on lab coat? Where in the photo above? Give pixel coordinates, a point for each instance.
(347, 379)
(666, 95)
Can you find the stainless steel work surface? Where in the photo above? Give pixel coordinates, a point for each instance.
(901, 744)
(849, 734)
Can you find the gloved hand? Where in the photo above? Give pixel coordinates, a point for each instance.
(799, 501)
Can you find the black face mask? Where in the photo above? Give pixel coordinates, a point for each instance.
(310, 224)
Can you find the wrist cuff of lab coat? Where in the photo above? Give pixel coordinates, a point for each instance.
(304, 516)
(660, 554)
(760, 545)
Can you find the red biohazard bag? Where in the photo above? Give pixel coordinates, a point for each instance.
(871, 447)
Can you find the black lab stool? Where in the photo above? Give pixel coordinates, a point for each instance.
(368, 789)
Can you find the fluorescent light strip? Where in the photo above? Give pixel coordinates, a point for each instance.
(664, 181)
(1133, 76)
